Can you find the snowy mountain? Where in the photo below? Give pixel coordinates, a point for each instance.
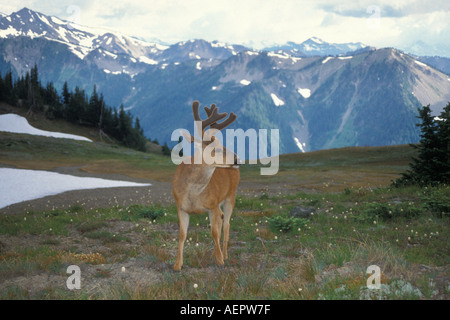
(112, 52)
(317, 47)
(421, 48)
(319, 95)
(81, 40)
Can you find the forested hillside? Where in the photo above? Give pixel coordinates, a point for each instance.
(74, 106)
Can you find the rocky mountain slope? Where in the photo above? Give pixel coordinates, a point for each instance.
(317, 98)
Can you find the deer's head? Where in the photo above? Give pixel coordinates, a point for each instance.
(209, 150)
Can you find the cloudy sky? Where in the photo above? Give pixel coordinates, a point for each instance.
(259, 23)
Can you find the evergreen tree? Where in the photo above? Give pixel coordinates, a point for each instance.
(6, 88)
(432, 164)
(139, 139)
(20, 89)
(124, 125)
(66, 94)
(101, 104)
(443, 132)
(51, 98)
(166, 150)
(34, 90)
(94, 108)
(75, 110)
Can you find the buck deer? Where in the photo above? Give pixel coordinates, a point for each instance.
(208, 185)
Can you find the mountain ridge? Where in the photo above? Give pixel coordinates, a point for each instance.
(365, 97)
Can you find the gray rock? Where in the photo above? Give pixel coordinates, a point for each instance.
(302, 212)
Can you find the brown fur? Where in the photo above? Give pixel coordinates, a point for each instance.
(221, 189)
(201, 187)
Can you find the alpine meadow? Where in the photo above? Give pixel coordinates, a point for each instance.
(358, 208)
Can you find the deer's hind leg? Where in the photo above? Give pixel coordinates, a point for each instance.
(183, 218)
(227, 210)
(215, 216)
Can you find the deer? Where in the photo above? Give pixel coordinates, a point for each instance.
(206, 186)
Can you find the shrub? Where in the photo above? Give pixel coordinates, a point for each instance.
(285, 224)
(152, 213)
(437, 202)
(385, 211)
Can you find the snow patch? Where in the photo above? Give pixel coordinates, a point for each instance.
(193, 55)
(44, 19)
(57, 21)
(146, 60)
(305, 93)
(245, 82)
(114, 56)
(9, 32)
(277, 101)
(299, 144)
(14, 123)
(217, 44)
(198, 66)
(80, 52)
(317, 40)
(420, 63)
(278, 55)
(327, 59)
(62, 33)
(17, 185)
(345, 58)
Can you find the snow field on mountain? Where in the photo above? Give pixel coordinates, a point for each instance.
(17, 185)
(14, 123)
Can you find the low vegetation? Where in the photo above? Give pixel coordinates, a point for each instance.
(272, 255)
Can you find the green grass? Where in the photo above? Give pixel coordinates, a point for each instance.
(35, 152)
(336, 170)
(322, 257)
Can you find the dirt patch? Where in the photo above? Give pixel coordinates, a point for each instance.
(103, 263)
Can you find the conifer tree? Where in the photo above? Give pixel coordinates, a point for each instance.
(443, 132)
(432, 164)
(66, 94)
